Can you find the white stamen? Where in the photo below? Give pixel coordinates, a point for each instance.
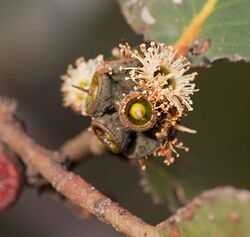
(185, 129)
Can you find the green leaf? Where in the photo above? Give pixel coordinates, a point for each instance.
(220, 212)
(205, 30)
(169, 184)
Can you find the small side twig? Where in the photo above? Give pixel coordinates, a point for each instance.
(82, 145)
(72, 186)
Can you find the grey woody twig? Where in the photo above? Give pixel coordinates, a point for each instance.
(67, 183)
(82, 145)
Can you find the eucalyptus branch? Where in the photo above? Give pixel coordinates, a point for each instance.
(72, 186)
(223, 210)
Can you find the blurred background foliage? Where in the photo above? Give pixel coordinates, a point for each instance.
(38, 40)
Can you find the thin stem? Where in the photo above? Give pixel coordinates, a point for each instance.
(82, 145)
(81, 88)
(67, 183)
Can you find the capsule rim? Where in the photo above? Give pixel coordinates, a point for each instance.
(125, 119)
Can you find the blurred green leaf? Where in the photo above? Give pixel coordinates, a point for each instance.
(220, 212)
(204, 29)
(168, 184)
(219, 152)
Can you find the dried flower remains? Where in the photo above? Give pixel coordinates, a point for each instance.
(150, 89)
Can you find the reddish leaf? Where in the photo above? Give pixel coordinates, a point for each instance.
(10, 180)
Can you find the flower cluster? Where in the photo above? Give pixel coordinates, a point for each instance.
(77, 81)
(162, 77)
(158, 98)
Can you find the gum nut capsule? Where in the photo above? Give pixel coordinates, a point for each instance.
(142, 145)
(100, 96)
(111, 133)
(137, 113)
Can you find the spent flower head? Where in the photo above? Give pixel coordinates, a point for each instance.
(168, 150)
(162, 76)
(77, 81)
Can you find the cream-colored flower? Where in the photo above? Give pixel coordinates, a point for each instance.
(78, 78)
(162, 77)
